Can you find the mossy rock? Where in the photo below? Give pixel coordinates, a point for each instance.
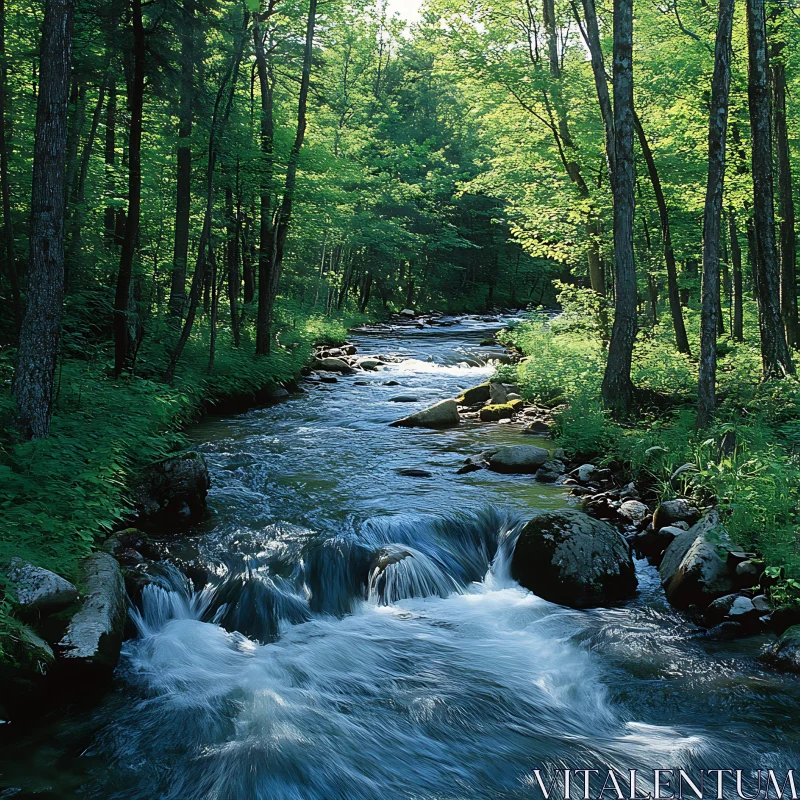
(500, 411)
(477, 394)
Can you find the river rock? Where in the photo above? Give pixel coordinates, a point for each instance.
(332, 365)
(24, 673)
(569, 558)
(652, 543)
(634, 511)
(404, 398)
(495, 413)
(39, 589)
(537, 428)
(93, 639)
(550, 471)
(518, 459)
(474, 396)
(677, 550)
(586, 473)
(275, 393)
(497, 394)
(173, 491)
(748, 573)
(785, 653)
(672, 511)
(703, 574)
(370, 364)
(414, 472)
(441, 415)
(733, 608)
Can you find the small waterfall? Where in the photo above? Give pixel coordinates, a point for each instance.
(388, 560)
(400, 573)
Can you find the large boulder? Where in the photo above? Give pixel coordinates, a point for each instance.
(441, 415)
(93, 639)
(172, 493)
(518, 459)
(332, 365)
(475, 395)
(567, 557)
(785, 653)
(702, 574)
(672, 511)
(38, 589)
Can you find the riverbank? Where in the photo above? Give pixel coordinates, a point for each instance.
(745, 465)
(60, 496)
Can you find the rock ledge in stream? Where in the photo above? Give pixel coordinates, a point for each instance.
(441, 415)
(569, 558)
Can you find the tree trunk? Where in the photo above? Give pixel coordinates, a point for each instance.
(41, 327)
(281, 230)
(110, 158)
(122, 341)
(592, 37)
(79, 199)
(266, 234)
(183, 188)
(775, 355)
(219, 119)
(736, 259)
(617, 385)
(717, 136)
(232, 253)
(673, 294)
(5, 182)
(788, 241)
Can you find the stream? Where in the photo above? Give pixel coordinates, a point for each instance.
(362, 639)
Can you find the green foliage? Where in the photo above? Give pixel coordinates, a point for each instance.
(748, 463)
(59, 495)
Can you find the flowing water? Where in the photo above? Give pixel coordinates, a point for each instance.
(361, 637)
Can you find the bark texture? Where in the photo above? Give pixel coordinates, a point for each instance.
(717, 134)
(41, 327)
(775, 357)
(617, 385)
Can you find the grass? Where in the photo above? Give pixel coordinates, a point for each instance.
(59, 496)
(748, 462)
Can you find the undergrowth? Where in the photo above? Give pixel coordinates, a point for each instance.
(59, 495)
(748, 463)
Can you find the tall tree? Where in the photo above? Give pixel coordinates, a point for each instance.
(122, 297)
(205, 251)
(788, 235)
(617, 384)
(183, 184)
(775, 357)
(284, 212)
(5, 181)
(34, 380)
(717, 136)
(736, 259)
